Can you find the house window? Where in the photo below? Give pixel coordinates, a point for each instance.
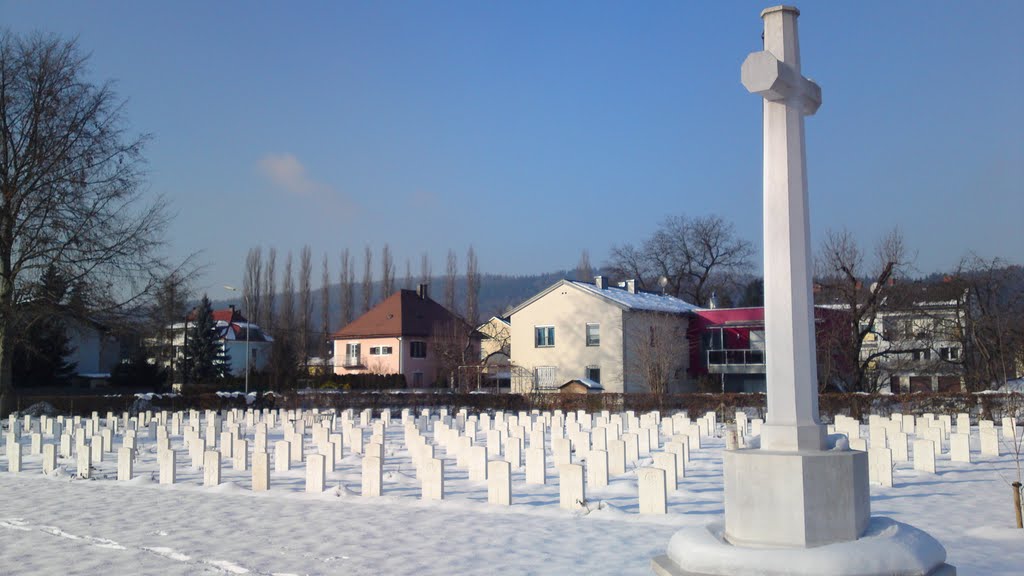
(594, 373)
(757, 339)
(351, 354)
(593, 334)
(925, 354)
(544, 336)
(949, 353)
(417, 349)
(545, 376)
(380, 351)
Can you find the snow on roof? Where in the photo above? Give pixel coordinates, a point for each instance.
(640, 300)
(591, 384)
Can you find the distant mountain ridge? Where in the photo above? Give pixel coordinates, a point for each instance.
(498, 294)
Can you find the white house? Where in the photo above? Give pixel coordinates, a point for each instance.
(618, 337)
(233, 330)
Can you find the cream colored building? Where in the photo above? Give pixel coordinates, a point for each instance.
(609, 335)
(495, 337)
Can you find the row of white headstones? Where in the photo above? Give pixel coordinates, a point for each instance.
(889, 439)
(488, 447)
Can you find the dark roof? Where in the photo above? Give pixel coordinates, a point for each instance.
(404, 313)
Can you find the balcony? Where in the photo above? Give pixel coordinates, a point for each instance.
(736, 361)
(352, 362)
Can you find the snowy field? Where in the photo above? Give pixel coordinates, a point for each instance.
(62, 524)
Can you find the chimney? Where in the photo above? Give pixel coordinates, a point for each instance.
(601, 282)
(421, 291)
(713, 300)
(631, 286)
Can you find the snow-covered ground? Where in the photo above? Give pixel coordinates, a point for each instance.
(59, 524)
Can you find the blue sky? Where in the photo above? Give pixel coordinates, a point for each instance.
(533, 130)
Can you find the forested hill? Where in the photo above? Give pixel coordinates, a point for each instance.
(498, 293)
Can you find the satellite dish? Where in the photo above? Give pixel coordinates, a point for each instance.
(663, 282)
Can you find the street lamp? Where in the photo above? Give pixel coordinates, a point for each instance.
(248, 327)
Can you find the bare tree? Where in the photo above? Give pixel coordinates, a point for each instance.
(408, 275)
(989, 325)
(287, 314)
(168, 308)
(284, 356)
(70, 188)
(387, 272)
(425, 272)
(325, 310)
(345, 282)
(694, 256)
(454, 347)
(252, 293)
(268, 314)
(367, 279)
(305, 303)
(472, 288)
(861, 289)
(450, 273)
(584, 272)
(656, 350)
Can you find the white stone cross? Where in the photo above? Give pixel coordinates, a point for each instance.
(792, 381)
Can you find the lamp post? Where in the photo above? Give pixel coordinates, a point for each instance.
(248, 327)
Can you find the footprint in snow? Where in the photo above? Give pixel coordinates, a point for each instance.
(15, 524)
(93, 540)
(229, 567)
(168, 553)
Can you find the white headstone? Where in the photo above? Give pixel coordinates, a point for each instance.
(316, 474)
(989, 441)
(260, 471)
(125, 463)
(499, 483)
(616, 457)
(211, 468)
(168, 466)
(667, 461)
(960, 447)
(571, 493)
(282, 456)
(14, 458)
(560, 453)
(597, 468)
(49, 458)
(240, 454)
(880, 466)
(477, 463)
(514, 452)
(651, 486)
(924, 455)
(536, 472)
(373, 476)
(432, 478)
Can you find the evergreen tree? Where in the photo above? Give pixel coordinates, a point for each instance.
(41, 351)
(206, 358)
(753, 293)
(40, 356)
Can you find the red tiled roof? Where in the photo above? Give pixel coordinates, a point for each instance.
(228, 315)
(403, 313)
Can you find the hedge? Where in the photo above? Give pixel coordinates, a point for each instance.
(980, 406)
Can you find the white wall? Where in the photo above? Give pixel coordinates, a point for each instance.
(569, 309)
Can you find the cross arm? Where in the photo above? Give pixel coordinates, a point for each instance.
(764, 74)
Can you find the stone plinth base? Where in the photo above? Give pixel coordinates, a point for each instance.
(887, 548)
(795, 499)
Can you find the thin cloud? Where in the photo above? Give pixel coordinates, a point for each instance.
(285, 171)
